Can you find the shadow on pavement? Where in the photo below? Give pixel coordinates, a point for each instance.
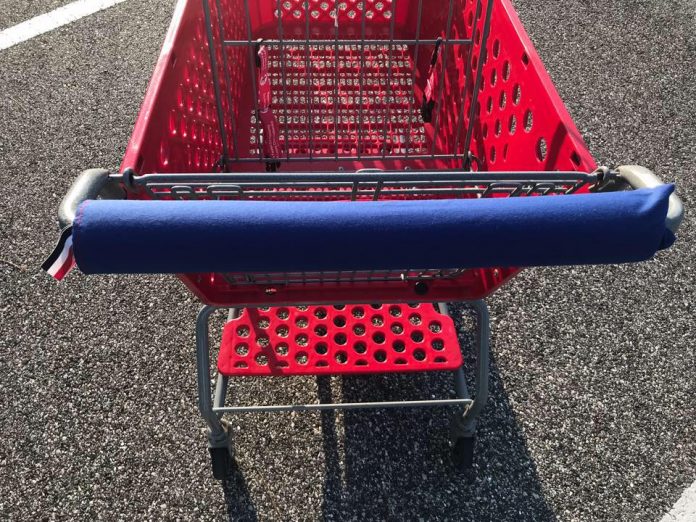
(240, 506)
(395, 464)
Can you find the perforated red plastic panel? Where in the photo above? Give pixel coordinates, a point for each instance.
(522, 122)
(325, 10)
(177, 128)
(338, 340)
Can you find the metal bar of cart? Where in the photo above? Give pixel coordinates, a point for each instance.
(341, 406)
(216, 82)
(252, 74)
(347, 41)
(413, 77)
(335, 86)
(226, 70)
(389, 90)
(479, 74)
(308, 80)
(467, 78)
(441, 83)
(282, 56)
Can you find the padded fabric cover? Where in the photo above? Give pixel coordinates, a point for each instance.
(261, 236)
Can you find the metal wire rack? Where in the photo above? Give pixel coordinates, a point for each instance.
(362, 186)
(366, 276)
(350, 80)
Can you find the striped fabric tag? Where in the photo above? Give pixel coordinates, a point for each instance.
(61, 260)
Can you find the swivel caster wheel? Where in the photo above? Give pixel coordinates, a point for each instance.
(222, 462)
(463, 453)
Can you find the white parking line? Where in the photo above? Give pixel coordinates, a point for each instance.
(52, 20)
(685, 508)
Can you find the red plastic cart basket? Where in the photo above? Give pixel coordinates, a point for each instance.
(335, 171)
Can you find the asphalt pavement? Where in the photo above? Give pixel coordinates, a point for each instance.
(591, 414)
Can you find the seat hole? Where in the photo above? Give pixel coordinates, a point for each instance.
(417, 336)
(541, 149)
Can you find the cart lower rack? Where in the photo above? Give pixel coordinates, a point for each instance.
(334, 173)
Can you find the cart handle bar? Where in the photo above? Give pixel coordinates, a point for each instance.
(90, 184)
(640, 177)
(95, 183)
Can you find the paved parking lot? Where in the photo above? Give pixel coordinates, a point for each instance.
(591, 415)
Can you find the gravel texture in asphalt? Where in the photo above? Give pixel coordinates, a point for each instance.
(591, 414)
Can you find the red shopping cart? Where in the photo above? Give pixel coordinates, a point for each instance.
(334, 172)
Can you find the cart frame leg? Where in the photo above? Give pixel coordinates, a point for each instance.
(465, 422)
(217, 435)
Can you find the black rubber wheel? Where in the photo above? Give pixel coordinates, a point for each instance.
(463, 453)
(222, 463)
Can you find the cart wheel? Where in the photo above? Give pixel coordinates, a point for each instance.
(463, 453)
(222, 461)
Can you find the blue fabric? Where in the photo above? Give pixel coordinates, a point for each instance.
(259, 236)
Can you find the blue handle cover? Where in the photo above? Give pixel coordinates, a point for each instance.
(112, 236)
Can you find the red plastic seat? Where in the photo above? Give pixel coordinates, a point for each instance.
(341, 339)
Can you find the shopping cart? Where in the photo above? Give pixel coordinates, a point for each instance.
(334, 172)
